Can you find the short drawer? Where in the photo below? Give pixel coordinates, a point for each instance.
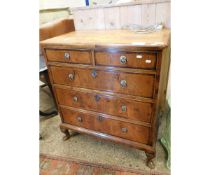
(69, 56)
(105, 125)
(128, 59)
(126, 108)
(118, 82)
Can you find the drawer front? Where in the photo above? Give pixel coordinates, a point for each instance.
(132, 60)
(69, 56)
(105, 104)
(108, 126)
(118, 82)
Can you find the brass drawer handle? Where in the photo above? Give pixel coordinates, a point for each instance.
(123, 83)
(97, 98)
(71, 76)
(124, 108)
(75, 99)
(125, 130)
(66, 55)
(94, 73)
(79, 119)
(100, 118)
(123, 59)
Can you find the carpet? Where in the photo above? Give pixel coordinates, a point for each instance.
(56, 165)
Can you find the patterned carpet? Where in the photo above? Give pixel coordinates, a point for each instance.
(54, 165)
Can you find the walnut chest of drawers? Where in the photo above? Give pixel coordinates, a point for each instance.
(110, 84)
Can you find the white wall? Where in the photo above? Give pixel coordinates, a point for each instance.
(46, 4)
(48, 16)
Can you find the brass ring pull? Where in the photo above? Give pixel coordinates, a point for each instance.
(124, 130)
(94, 73)
(71, 76)
(123, 59)
(100, 118)
(97, 98)
(123, 108)
(66, 55)
(79, 119)
(123, 83)
(75, 99)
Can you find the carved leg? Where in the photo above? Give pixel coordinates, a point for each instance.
(150, 157)
(66, 132)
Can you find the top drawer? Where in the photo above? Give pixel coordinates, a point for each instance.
(69, 56)
(128, 59)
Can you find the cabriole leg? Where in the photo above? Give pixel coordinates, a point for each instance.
(66, 132)
(150, 157)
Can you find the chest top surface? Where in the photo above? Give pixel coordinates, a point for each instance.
(96, 38)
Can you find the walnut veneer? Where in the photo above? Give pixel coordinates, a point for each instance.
(110, 84)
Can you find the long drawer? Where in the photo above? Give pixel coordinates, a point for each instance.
(69, 56)
(102, 124)
(118, 82)
(127, 59)
(107, 104)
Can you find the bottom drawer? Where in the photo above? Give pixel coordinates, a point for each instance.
(105, 125)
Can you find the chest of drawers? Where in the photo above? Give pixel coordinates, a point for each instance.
(110, 84)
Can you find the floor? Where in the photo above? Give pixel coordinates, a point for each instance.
(87, 148)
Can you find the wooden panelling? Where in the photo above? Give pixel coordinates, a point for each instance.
(163, 14)
(102, 124)
(130, 15)
(112, 18)
(148, 14)
(145, 13)
(89, 19)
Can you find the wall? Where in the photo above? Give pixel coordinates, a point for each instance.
(51, 10)
(46, 16)
(105, 17)
(46, 4)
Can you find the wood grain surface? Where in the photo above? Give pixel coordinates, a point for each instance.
(132, 60)
(111, 38)
(126, 108)
(82, 57)
(136, 84)
(117, 16)
(101, 124)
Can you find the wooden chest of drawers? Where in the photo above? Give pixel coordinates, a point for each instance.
(110, 84)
